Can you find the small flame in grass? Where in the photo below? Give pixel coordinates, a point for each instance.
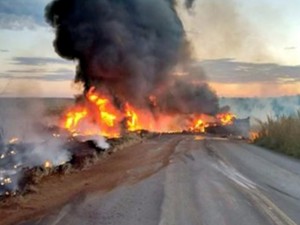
(253, 136)
(56, 135)
(12, 152)
(5, 181)
(13, 140)
(16, 166)
(48, 164)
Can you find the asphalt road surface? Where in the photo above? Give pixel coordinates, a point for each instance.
(209, 181)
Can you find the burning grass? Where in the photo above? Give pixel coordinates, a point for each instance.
(281, 135)
(24, 179)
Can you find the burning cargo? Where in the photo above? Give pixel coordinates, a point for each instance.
(135, 66)
(238, 127)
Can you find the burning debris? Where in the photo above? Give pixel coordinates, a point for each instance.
(96, 115)
(129, 53)
(235, 127)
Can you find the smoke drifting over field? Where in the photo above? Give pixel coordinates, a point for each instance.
(24, 141)
(128, 48)
(262, 108)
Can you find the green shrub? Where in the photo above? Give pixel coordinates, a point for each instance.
(282, 135)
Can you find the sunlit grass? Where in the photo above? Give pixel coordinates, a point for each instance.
(282, 135)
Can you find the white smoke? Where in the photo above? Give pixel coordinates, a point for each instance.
(262, 108)
(27, 142)
(95, 135)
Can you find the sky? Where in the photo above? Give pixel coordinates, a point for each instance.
(246, 48)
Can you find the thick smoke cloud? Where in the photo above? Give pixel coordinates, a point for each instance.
(129, 48)
(182, 97)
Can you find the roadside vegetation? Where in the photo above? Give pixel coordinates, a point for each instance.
(282, 135)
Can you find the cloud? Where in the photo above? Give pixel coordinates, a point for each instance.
(39, 68)
(231, 71)
(18, 14)
(290, 48)
(4, 50)
(39, 74)
(45, 77)
(38, 61)
(22, 71)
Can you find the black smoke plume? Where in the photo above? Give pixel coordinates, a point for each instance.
(127, 47)
(182, 97)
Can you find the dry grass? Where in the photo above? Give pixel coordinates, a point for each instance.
(282, 135)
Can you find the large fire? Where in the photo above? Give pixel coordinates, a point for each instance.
(99, 116)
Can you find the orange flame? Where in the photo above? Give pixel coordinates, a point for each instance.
(132, 119)
(99, 116)
(253, 135)
(106, 110)
(14, 140)
(226, 118)
(198, 125)
(73, 118)
(47, 164)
